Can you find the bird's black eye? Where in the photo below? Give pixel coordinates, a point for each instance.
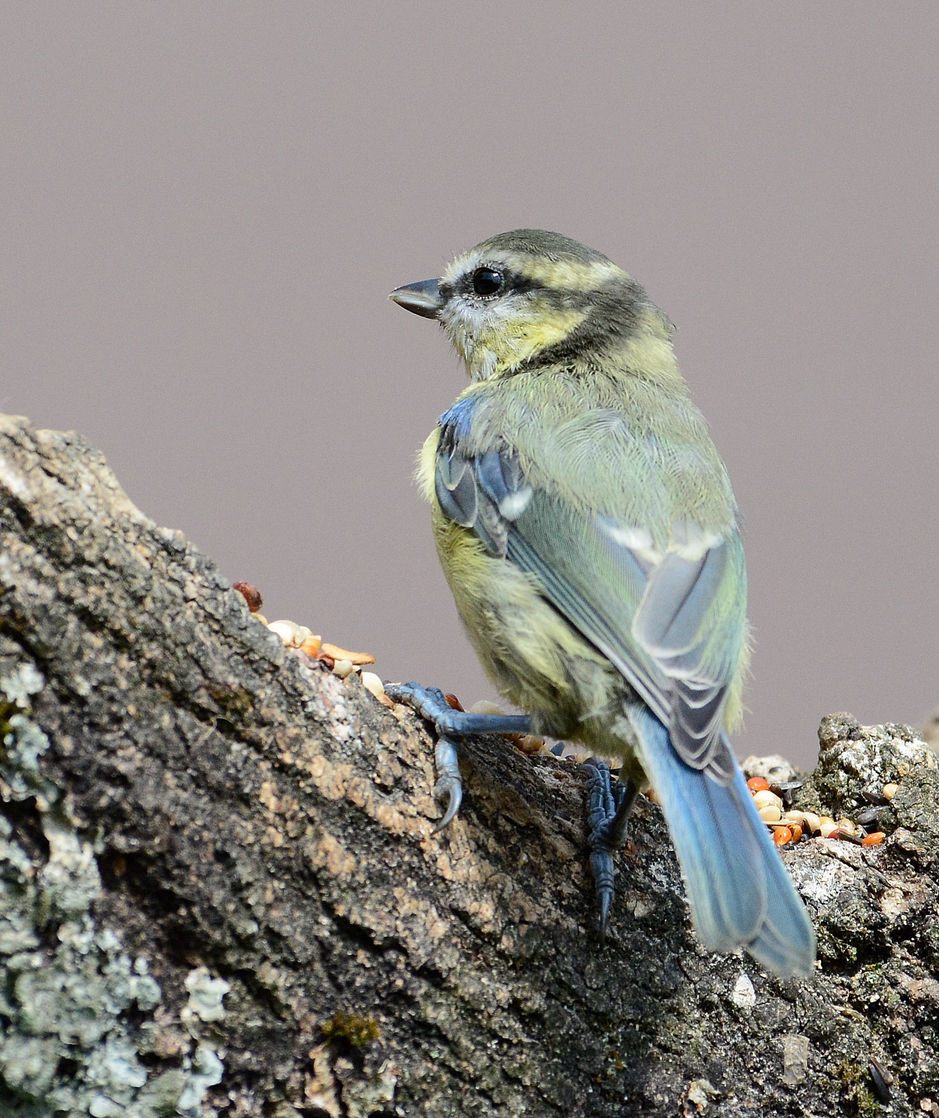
(487, 281)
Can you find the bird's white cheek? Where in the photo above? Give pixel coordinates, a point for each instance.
(468, 329)
(460, 329)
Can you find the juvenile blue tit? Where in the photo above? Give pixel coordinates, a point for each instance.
(587, 528)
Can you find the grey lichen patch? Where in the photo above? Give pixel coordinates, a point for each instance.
(69, 882)
(23, 681)
(203, 1070)
(68, 988)
(206, 994)
(62, 1006)
(22, 742)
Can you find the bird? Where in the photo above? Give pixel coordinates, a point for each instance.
(588, 531)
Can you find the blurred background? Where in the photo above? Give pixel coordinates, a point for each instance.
(203, 208)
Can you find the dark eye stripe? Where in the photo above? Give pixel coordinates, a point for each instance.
(488, 280)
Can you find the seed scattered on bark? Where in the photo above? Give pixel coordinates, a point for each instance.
(251, 595)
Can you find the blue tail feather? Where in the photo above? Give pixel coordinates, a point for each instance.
(740, 892)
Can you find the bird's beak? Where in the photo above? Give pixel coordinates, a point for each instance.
(422, 298)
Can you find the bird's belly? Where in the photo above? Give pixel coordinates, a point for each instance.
(531, 653)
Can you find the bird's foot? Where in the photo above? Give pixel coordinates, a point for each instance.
(609, 804)
(431, 704)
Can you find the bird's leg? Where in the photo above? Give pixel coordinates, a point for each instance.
(430, 703)
(609, 801)
(609, 804)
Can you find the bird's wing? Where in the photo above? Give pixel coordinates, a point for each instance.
(660, 617)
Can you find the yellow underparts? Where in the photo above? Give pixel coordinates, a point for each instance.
(534, 657)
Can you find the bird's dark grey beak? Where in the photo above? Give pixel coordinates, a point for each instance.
(422, 298)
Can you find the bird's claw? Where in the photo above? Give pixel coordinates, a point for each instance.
(449, 782)
(431, 704)
(609, 804)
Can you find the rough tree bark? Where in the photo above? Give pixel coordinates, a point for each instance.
(221, 892)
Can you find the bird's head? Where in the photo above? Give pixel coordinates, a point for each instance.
(531, 298)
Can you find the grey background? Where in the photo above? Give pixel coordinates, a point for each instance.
(205, 205)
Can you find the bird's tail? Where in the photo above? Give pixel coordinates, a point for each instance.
(740, 892)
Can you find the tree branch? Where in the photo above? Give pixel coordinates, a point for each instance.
(221, 892)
